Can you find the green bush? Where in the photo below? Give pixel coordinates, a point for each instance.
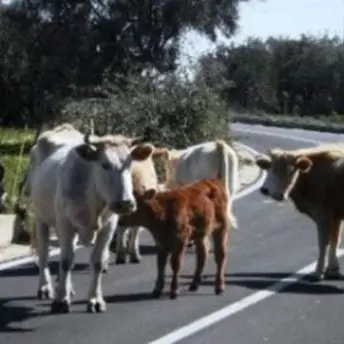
(173, 111)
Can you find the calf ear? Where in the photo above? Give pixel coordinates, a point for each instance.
(142, 152)
(263, 161)
(87, 152)
(303, 164)
(149, 194)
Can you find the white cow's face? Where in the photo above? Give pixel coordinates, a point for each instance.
(112, 171)
(282, 170)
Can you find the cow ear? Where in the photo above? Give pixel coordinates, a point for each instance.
(149, 194)
(87, 152)
(142, 152)
(263, 161)
(303, 164)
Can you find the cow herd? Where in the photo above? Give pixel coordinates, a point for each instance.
(87, 187)
(93, 190)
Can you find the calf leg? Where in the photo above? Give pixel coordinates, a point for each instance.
(176, 264)
(134, 249)
(220, 253)
(162, 256)
(333, 268)
(323, 229)
(201, 256)
(45, 287)
(99, 260)
(121, 253)
(62, 301)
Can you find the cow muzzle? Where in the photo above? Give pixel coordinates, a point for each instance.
(123, 207)
(277, 196)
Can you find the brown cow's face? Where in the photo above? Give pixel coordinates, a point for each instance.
(282, 170)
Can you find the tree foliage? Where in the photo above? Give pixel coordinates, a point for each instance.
(50, 49)
(282, 75)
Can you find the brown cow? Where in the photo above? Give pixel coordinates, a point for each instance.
(313, 178)
(174, 217)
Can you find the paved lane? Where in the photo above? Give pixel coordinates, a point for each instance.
(273, 241)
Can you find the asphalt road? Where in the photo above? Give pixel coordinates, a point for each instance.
(273, 242)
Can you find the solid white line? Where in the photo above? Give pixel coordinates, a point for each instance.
(280, 135)
(25, 260)
(255, 185)
(235, 307)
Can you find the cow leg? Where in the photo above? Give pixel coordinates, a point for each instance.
(220, 238)
(121, 252)
(162, 256)
(66, 233)
(99, 260)
(45, 286)
(176, 264)
(134, 245)
(333, 268)
(202, 253)
(323, 229)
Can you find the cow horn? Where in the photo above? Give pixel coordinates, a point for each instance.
(87, 138)
(136, 140)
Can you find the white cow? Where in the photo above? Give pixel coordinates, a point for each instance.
(212, 159)
(80, 189)
(144, 178)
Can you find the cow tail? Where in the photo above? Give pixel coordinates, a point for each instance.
(229, 175)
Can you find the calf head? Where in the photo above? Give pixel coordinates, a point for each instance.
(111, 157)
(283, 169)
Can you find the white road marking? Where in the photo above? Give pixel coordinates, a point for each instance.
(235, 307)
(280, 135)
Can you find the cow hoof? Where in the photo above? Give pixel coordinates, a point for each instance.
(120, 260)
(174, 294)
(105, 270)
(135, 259)
(193, 287)
(60, 306)
(315, 278)
(94, 306)
(332, 274)
(45, 294)
(156, 293)
(219, 290)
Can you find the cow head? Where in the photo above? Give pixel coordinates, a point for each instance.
(111, 157)
(283, 170)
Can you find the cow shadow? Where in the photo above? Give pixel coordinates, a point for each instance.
(32, 270)
(300, 284)
(10, 314)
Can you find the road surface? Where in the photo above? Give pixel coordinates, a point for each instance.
(265, 301)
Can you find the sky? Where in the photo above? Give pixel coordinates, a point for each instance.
(264, 18)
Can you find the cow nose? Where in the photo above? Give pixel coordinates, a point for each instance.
(279, 197)
(123, 207)
(264, 191)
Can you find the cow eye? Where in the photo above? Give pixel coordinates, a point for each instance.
(106, 166)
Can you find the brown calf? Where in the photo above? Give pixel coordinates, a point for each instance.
(176, 216)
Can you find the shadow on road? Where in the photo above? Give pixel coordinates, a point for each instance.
(267, 281)
(10, 314)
